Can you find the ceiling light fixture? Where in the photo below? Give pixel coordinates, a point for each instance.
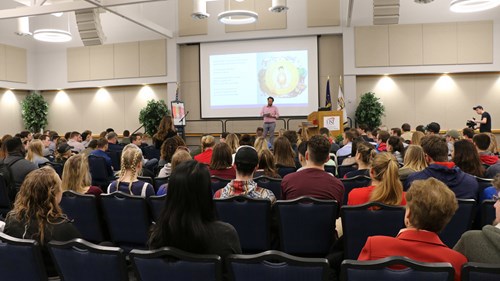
(243, 17)
(278, 6)
(471, 6)
(52, 35)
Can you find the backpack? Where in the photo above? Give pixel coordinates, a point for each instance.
(6, 173)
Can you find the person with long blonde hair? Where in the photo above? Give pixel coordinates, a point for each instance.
(36, 213)
(416, 138)
(207, 146)
(233, 142)
(76, 176)
(35, 152)
(266, 165)
(414, 161)
(261, 144)
(386, 187)
(131, 165)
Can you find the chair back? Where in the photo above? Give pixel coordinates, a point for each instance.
(251, 219)
(218, 183)
(352, 183)
(159, 181)
(156, 204)
(58, 167)
(21, 259)
(5, 203)
(84, 210)
(343, 170)
(275, 265)
(307, 225)
(127, 218)
(474, 271)
(99, 171)
(383, 269)
(361, 221)
(146, 179)
(151, 152)
(487, 211)
(331, 169)
(283, 171)
(341, 159)
(483, 183)
(175, 265)
(459, 223)
(270, 183)
(116, 158)
(78, 260)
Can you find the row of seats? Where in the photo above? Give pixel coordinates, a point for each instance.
(305, 226)
(78, 260)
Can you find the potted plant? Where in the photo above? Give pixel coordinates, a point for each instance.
(151, 115)
(34, 111)
(370, 111)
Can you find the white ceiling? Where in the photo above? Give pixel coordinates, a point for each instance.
(163, 13)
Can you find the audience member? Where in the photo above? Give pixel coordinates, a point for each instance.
(396, 147)
(18, 166)
(363, 131)
(221, 162)
(36, 214)
(166, 130)
(86, 138)
(113, 144)
(430, 206)
(92, 145)
(482, 142)
(75, 141)
(63, 152)
(312, 180)
(351, 159)
(76, 176)
(302, 154)
(420, 128)
(245, 139)
(365, 152)
(385, 187)
(489, 192)
(261, 144)
(463, 185)
(207, 145)
(266, 165)
(181, 155)
(131, 165)
(35, 151)
(168, 149)
(382, 138)
(259, 132)
(45, 145)
(283, 153)
(246, 162)
(432, 128)
(414, 161)
(126, 138)
(395, 132)
(416, 138)
(483, 245)
(466, 157)
(223, 136)
(135, 139)
(102, 146)
(293, 138)
(54, 137)
(346, 150)
(67, 136)
(451, 137)
(109, 130)
(233, 142)
(188, 221)
(26, 136)
(468, 133)
(407, 134)
(493, 148)
(169, 167)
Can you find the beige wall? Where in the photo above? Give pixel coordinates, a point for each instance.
(10, 111)
(446, 99)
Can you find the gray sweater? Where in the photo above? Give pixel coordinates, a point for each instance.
(481, 245)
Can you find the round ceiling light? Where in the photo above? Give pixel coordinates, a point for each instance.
(52, 35)
(471, 6)
(243, 17)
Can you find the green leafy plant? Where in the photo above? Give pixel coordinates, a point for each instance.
(370, 110)
(34, 111)
(151, 115)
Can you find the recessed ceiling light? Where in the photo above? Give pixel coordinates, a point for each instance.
(471, 6)
(52, 35)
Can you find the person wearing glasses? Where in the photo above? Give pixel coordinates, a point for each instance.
(483, 245)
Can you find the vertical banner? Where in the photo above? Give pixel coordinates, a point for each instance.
(178, 113)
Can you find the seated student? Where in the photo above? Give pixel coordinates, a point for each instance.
(430, 207)
(346, 150)
(19, 167)
(76, 176)
(63, 152)
(188, 221)
(293, 137)
(482, 142)
(382, 138)
(363, 132)
(468, 134)
(35, 151)
(312, 180)
(463, 185)
(395, 147)
(420, 128)
(432, 128)
(102, 146)
(75, 141)
(36, 214)
(414, 161)
(261, 144)
(207, 145)
(364, 156)
(416, 138)
(233, 142)
(126, 137)
(386, 187)
(246, 162)
(483, 245)
(266, 165)
(113, 144)
(451, 137)
(283, 153)
(406, 134)
(465, 156)
(86, 138)
(167, 150)
(395, 132)
(181, 155)
(221, 163)
(127, 182)
(489, 192)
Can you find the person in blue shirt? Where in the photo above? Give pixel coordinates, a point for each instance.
(102, 146)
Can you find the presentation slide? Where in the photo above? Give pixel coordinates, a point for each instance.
(238, 77)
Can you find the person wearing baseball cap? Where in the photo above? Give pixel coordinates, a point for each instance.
(484, 122)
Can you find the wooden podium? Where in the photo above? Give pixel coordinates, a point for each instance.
(333, 120)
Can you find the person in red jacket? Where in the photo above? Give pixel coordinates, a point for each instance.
(482, 142)
(430, 206)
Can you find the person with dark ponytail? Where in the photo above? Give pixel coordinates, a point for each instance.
(188, 220)
(386, 187)
(364, 156)
(396, 147)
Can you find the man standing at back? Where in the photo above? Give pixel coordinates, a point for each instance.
(462, 184)
(312, 180)
(270, 114)
(485, 121)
